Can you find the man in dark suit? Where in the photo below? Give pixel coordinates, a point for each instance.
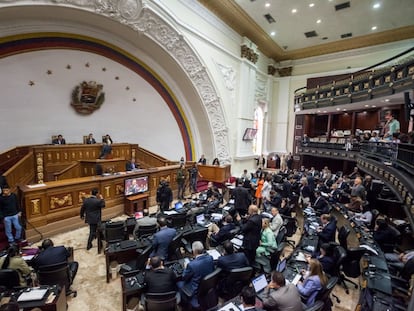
(162, 239)
(219, 235)
(51, 255)
(231, 260)
(327, 231)
(159, 279)
(241, 198)
(91, 211)
(248, 297)
(131, 165)
(321, 206)
(59, 140)
(194, 272)
(251, 233)
(90, 140)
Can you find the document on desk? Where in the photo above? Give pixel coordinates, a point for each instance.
(214, 253)
(32, 294)
(229, 307)
(236, 242)
(170, 212)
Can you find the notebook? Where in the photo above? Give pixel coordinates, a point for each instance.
(32, 294)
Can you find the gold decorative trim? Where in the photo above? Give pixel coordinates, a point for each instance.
(56, 202)
(35, 206)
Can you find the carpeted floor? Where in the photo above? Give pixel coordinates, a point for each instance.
(95, 294)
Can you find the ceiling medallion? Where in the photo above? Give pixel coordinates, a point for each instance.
(87, 97)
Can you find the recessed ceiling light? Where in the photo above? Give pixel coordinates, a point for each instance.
(318, 111)
(387, 100)
(374, 28)
(376, 5)
(311, 5)
(337, 109)
(366, 105)
(325, 111)
(373, 106)
(273, 33)
(267, 4)
(294, 11)
(344, 109)
(319, 21)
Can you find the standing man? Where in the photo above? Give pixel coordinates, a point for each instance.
(242, 198)
(164, 196)
(194, 174)
(10, 212)
(181, 182)
(162, 239)
(91, 211)
(391, 126)
(251, 233)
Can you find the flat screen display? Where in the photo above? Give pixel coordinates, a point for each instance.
(249, 134)
(136, 185)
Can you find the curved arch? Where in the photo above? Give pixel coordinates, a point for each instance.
(147, 22)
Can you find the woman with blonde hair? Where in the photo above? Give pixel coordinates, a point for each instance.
(314, 281)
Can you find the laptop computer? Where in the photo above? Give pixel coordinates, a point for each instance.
(201, 220)
(259, 284)
(32, 294)
(178, 206)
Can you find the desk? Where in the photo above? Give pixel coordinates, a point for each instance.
(136, 203)
(57, 304)
(129, 291)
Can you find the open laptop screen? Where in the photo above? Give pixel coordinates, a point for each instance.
(259, 283)
(179, 205)
(200, 219)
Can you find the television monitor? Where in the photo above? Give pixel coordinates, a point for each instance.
(249, 134)
(136, 185)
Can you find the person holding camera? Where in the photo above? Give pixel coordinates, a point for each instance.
(164, 196)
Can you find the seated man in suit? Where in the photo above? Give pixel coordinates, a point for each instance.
(327, 231)
(51, 255)
(194, 272)
(162, 239)
(131, 165)
(384, 235)
(279, 296)
(248, 297)
(59, 140)
(231, 260)
(159, 279)
(144, 221)
(219, 235)
(90, 140)
(320, 205)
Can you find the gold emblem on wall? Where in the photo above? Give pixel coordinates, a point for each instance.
(82, 196)
(35, 206)
(64, 201)
(87, 97)
(39, 167)
(119, 189)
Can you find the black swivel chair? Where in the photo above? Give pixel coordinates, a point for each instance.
(145, 231)
(198, 234)
(174, 249)
(177, 220)
(160, 301)
(233, 283)
(339, 256)
(143, 255)
(343, 234)
(115, 232)
(207, 296)
(324, 296)
(57, 274)
(9, 278)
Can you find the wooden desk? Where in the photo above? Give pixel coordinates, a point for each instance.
(58, 303)
(136, 203)
(218, 174)
(115, 253)
(101, 166)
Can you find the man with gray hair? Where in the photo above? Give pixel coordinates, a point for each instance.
(194, 272)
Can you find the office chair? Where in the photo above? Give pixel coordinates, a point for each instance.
(142, 259)
(144, 231)
(375, 213)
(160, 301)
(233, 283)
(339, 254)
(389, 247)
(207, 297)
(343, 234)
(177, 220)
(325, 294)
(9, 278)
(282, 237)
(57, 274)
(198, 234)
(174, 249)
(318, 305)
(114, 232)
(291, 225)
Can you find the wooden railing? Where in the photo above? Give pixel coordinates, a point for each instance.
(21, 173)
(12, 156)
(146, 159)
(72, 171)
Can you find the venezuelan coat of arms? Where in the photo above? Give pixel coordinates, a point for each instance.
(87, 97)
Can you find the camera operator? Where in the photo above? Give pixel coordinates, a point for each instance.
(164, 196)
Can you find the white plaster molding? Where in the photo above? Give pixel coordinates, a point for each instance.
(229, 76)
(139, 17)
